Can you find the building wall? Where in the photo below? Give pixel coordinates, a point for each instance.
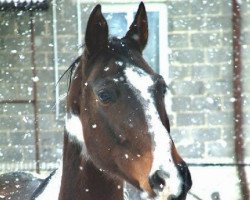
(17, 144)
(201, 65)
(200, 38)
(17, 138)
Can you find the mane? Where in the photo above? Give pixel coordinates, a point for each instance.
(121, 50)
(70, 70)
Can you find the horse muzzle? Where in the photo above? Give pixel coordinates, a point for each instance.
(158, 181)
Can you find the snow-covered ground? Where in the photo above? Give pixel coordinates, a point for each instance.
(215, 183)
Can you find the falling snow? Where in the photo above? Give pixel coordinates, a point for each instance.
(199, 73)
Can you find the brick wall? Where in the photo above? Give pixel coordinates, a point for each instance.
(200, 38)
(15, 82)
(201, 78)
(17, 144)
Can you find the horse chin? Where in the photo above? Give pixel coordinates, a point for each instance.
(147, 192)
(158, 195)
(146, 196)
(153, 196)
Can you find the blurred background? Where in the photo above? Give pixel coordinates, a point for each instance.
(201, 47)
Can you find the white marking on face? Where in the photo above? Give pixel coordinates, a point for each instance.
(132, 193)
(52, 190)
(141, 82)
(74, 127)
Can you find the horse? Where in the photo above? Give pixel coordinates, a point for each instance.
(117, 131)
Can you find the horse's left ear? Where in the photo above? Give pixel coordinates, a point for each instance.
(138, 30)
(96, 37)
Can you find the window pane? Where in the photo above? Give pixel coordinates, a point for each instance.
(117, 23)
(151, 53)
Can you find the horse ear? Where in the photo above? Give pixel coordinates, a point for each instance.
(96, 36)
(138, 30)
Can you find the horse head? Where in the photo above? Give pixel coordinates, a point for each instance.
(116, 103)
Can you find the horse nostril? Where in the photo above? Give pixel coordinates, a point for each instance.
(157, 180)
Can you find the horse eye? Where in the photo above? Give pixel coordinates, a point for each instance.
(105, 96)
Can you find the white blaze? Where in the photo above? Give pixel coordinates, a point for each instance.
(141, 82)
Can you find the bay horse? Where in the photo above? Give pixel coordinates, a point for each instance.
(117, 131)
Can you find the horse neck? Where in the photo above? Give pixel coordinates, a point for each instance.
(81, 179)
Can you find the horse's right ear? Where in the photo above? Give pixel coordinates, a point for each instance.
(96, 36)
